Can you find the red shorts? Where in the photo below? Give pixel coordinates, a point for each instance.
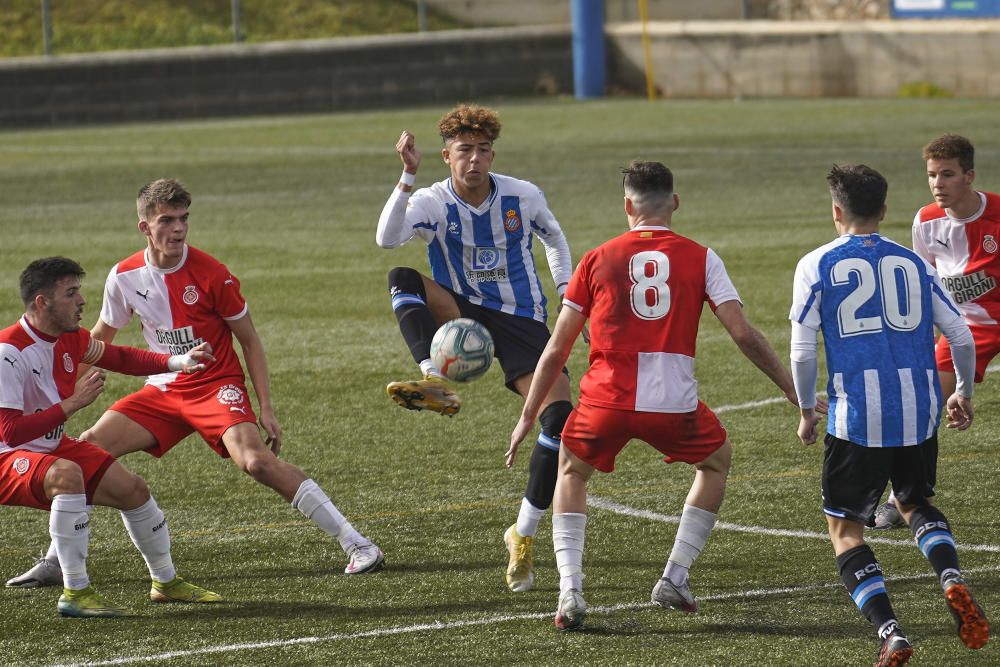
(172, 415)
(596, 435)
(22, 473)
(987, 346)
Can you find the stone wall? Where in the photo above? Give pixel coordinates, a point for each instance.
(286, 77)
(810, 59)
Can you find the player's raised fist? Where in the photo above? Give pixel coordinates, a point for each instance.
(408, 153)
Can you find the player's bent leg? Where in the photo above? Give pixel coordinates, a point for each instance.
(118, 435)
(254, 457)
(420, 306)
(569, 525)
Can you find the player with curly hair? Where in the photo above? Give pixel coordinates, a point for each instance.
(478, 226)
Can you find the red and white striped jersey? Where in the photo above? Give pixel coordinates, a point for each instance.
(179, 308)
(965, 254)
(36, 372)
(643, 292)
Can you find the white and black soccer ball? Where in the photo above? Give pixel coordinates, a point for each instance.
(462, 349)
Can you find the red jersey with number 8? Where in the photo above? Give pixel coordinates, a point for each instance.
(644, 292)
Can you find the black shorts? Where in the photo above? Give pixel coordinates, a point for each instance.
(854, 477)
(517, 341)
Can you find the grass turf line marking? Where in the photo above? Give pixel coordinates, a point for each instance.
(611, 506)
(472, 622)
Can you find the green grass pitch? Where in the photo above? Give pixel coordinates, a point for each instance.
(291, 204)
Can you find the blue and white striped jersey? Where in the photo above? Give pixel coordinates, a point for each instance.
(876, 303)
(484, 253)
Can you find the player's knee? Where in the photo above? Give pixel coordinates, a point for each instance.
(553, 417)
(261, 468)
(719, 462)
(404, 280)
(135, 493)
(63, 477)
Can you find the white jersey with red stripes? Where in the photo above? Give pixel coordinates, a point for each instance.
(37, 371)
(644, 292)
(179, 308)
(966, 254)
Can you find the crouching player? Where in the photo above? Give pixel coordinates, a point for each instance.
(42, 467)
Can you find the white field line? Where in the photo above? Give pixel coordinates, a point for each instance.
(781, 399)
(486, 620)
(610, 506)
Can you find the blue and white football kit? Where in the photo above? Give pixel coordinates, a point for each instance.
(876, 303)
(482, 253)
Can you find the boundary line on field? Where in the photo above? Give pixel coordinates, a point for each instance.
(617, 508)
(472, 622)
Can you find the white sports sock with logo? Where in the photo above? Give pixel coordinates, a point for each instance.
(52, 555)
(316, 505)
(147, 527)
(567, 540)
(69, 527)
(692, 534)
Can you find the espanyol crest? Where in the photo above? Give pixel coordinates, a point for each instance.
(989, 244)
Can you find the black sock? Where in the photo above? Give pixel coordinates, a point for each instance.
(933, 536)
(862, 576)
(409, 303)
(542, 472)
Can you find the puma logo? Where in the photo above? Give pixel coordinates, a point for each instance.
(233, 408)
(940, 242)
(10, 361)
(145, 297)
(36, 372)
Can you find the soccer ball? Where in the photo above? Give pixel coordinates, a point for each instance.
(462, 349)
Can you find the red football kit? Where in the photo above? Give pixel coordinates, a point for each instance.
(644, 292)
(36, 373)
(965, 254)
(179, 308)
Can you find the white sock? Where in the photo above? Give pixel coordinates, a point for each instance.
(52, 555)
(692, 534)
(69, 527)
(567, 540)
(892, 497)
(427, 367)
(528, 518)
(147, 527)
(316, 505)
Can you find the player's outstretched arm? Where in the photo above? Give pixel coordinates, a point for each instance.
(550, 364)
(392, 230)
(256, 360)
(755, 347)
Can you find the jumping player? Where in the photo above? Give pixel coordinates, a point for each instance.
(478, 226)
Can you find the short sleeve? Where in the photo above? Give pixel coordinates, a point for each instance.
(12, 372)
(115, 310)
(578, 294)
(229, 301)
(719, 287)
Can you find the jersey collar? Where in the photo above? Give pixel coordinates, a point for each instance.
(153, 267)
(974, 216)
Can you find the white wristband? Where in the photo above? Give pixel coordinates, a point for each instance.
(407, 178)
(179, 362)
